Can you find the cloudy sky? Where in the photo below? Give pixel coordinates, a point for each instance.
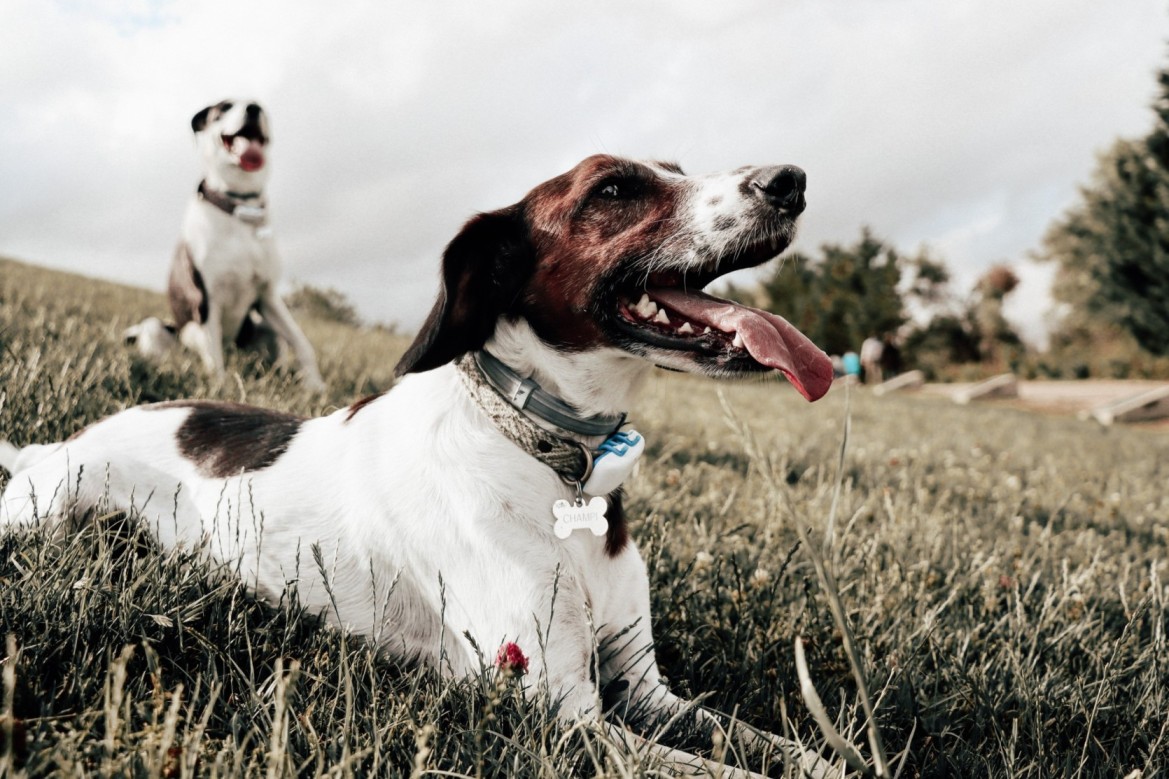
(963, 125)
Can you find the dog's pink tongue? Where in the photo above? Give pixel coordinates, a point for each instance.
(250, 153)
(770, 339)
(253, 158)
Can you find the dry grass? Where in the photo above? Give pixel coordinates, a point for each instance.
(1003, 575)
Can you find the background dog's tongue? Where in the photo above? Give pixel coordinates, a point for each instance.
(250, 153)
(770, 339)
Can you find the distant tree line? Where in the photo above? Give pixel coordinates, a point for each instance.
(1112, 254)
(323, 303)
(1111, 249)
(868, 289)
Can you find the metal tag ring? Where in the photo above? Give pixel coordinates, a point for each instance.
(588, 471)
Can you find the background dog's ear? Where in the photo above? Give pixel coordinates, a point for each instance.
(199, 120)
(483, 271)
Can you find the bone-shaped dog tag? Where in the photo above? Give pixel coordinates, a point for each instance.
(578, 514)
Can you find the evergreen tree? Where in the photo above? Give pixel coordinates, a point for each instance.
(844, 296)
(1113, 246)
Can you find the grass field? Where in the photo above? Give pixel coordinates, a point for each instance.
(1003, 573)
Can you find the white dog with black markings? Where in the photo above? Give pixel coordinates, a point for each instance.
(223, 284)
(477, 505)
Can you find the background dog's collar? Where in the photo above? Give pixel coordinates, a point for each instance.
(227, 202)
(532, 399)
(571, 460)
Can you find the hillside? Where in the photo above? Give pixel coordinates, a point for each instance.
(1004, 574)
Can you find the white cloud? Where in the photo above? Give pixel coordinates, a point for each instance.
(963, 125)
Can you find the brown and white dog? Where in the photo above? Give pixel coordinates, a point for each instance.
(433, 516)
(225, 271)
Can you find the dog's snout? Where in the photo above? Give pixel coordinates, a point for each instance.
(782, 187)
(253, 111)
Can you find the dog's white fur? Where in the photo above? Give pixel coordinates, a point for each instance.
(432, 525)
(237, 260)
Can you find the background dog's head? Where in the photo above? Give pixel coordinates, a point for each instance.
(614, 254)
(233, 137)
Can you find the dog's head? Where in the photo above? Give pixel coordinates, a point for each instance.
(233, 138)
(615, 254)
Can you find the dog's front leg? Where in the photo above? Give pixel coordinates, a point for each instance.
(579, 704)
(272, 308)
(636, 692)
(206, 340)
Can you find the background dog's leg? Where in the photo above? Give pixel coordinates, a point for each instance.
(205, 343)
(272, 308)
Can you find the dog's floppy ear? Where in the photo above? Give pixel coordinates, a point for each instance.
(483, 271)
(199, 120)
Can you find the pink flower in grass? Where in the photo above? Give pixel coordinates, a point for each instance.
(511, 658)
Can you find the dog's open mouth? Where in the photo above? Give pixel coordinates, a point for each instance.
(246, 149)
(669, 311)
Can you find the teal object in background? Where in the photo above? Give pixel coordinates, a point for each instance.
(852, 363)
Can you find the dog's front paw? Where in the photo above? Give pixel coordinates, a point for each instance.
(152, 338)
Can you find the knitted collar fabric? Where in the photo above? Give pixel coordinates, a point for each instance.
(571, 459)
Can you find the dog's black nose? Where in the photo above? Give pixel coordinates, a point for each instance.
(253, 111)
(783, 187)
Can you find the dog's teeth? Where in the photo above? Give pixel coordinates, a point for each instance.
(686, 329)
(661, 317)
(645, 308)
(706, 331)
(738, 342)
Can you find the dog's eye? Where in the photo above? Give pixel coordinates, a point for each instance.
(618, 189)
(224, 107)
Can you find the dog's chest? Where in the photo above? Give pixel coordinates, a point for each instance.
(236, 260)
(219, 240)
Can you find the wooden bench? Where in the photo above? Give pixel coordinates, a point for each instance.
(910, 380)
(1150, 404)
(1005, 385)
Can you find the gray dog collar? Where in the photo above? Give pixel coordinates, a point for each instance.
(529, 397)
(228, 203)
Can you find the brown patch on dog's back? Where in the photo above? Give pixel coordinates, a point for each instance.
(226, 439)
